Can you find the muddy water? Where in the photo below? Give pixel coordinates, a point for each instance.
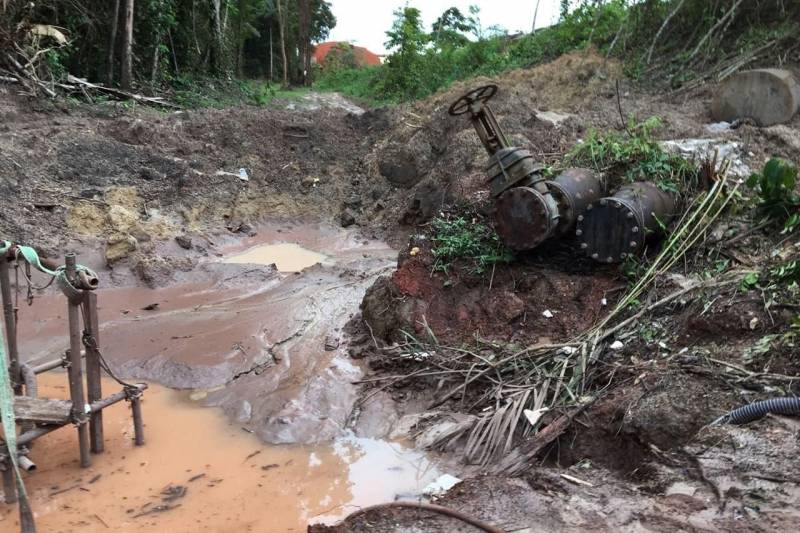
(267, 347)
(263, 344)
(232, 481)
(287, 257)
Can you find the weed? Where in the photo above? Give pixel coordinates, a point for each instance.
(634, 156)
(462, 239)
(776, 189)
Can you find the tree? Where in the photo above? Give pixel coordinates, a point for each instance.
(450, 27)
(304, 39)
(282, 31)
(126, 75)
(407, 40)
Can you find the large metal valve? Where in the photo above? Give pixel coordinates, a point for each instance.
(482, 117)
(529, 209)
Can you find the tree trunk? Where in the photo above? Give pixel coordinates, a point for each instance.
(112, 43)
(217, 63)
(535, 14)
(127, 47)
(304, 39)
(282, 32)
(271, 56)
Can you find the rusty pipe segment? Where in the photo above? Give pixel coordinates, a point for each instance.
(475, 102)
(574, 189)
(615, 227)
(536, 210)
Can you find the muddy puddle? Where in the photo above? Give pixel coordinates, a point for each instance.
(264, 345)
(198, 472)
(287, 257)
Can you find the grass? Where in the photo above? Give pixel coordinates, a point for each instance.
(193, 93)
(459, 238)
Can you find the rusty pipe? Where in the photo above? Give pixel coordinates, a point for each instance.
(26, 464)
(574, 189)
(615, 227)
(86, 281)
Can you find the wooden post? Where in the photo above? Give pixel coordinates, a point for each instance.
(138, 424)
(79, 414)
(9, 483)
(93, 375)
(11, 326)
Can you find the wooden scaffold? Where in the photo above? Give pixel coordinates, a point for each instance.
(25, 415)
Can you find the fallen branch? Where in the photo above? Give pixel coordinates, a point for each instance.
(155, 100)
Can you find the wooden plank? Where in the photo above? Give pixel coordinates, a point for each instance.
(42, 410)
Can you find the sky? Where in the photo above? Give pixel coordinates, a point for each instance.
(365, 22)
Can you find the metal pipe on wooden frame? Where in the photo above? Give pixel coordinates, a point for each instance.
(138, 423)
(93, 372)
(11, 326)
(75, 371)
(9, 483)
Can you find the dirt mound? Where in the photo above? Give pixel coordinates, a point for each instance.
(124, 180)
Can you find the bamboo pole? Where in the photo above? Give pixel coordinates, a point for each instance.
(75, 371)
(93, 375)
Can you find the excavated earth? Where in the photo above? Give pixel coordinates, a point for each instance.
(161, 204)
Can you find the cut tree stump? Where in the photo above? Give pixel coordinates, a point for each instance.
(768, 96)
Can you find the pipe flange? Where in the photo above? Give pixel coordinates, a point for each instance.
(524, 218)
(611, 230)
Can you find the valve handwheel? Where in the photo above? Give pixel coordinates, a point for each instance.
(481, 94)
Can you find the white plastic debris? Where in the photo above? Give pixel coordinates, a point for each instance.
(718, 127)
(617, 345)
(241, 174)
(604, 302)
(567, 350)
(440, 485)
(547, 313)
(533, 415)
(753, 322)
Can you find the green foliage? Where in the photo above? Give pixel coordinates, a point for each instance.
(458, 48)
(634, 156)
(776, 189)
(461, 239)
(193, 93)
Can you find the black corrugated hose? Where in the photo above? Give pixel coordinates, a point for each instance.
(787, 405)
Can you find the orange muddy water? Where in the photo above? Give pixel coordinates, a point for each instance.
(197, 472)
(266, 346)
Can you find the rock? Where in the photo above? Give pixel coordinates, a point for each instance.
(552, 119)
(119, 247)
(768, 96)
(427, 201)
(399, 166)
(150, 174)
(346, 218)
(702, 149)
(331, 343)
(184, 241)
